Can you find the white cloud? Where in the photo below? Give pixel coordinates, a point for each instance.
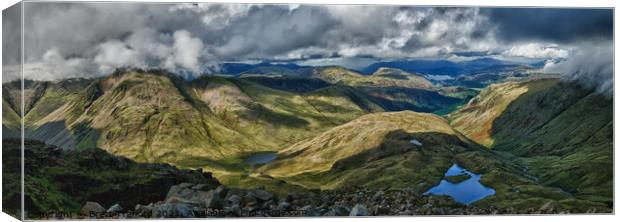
(591, 65)
(114, 54)
(187, 51)
(537, 50)
(215, 16)
(193, 37)
(56, 64)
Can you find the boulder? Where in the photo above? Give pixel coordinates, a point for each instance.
(115, 209)
(92, 207)
(359, 210)
(271, 204)
(143, 211)
(234, 200)
(170, 210)
(379, 195)
(222, 191)
(250, 201)
(233, 210)
(338, 211)
(284, 206)
(184, 193)
(261, 195)
(310, 211)
(213, 200)
(201, 187)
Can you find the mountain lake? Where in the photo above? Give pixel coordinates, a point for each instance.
(260, 158)
(465, 192)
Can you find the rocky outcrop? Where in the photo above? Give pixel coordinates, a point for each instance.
(187, 200)
(91, 207)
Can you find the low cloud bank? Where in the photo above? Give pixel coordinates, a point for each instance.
(591, 65)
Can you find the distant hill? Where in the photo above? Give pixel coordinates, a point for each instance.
(441, 67)
(391, 89)
(288, 83)
(266, 68)
(384, 77)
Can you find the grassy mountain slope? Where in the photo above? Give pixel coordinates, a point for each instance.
(10, 122)
(295, 84)
(148, 117)
(157, 117)
(375, 150)
(391, 89)
(484, 111)
(321, 152)
(11, 106)
(383, 77)
(277, 118)
(560, 132)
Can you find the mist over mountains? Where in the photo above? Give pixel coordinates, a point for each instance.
(206, 35)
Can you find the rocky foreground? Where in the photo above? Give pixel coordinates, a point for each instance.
(188, 200)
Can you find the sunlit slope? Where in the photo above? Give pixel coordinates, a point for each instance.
(158, 117)
(383, 77)
(10, 121)
(11, 109)
(144, 116)
(277, 118)
(562, 132)
(475, 120)
(373, 149)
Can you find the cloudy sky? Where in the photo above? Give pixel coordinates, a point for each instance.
(92, 39)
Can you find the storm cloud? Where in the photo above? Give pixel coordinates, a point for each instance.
(591, 66)
(92, 39)
(560, 25)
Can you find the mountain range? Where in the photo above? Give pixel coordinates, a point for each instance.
(536, 141)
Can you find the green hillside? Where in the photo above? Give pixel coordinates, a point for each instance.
(58, 180)
(548, 139)
(153, 116)
(561, 133)
(375, 151)
(383, 77)
(373, 139)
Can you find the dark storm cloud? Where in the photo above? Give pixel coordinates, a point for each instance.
(76, 28)
(592, 66)
(560, 25)
(264, 32)
(11, 32)
(90, 39)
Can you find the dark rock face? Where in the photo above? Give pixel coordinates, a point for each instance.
(81, 177)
